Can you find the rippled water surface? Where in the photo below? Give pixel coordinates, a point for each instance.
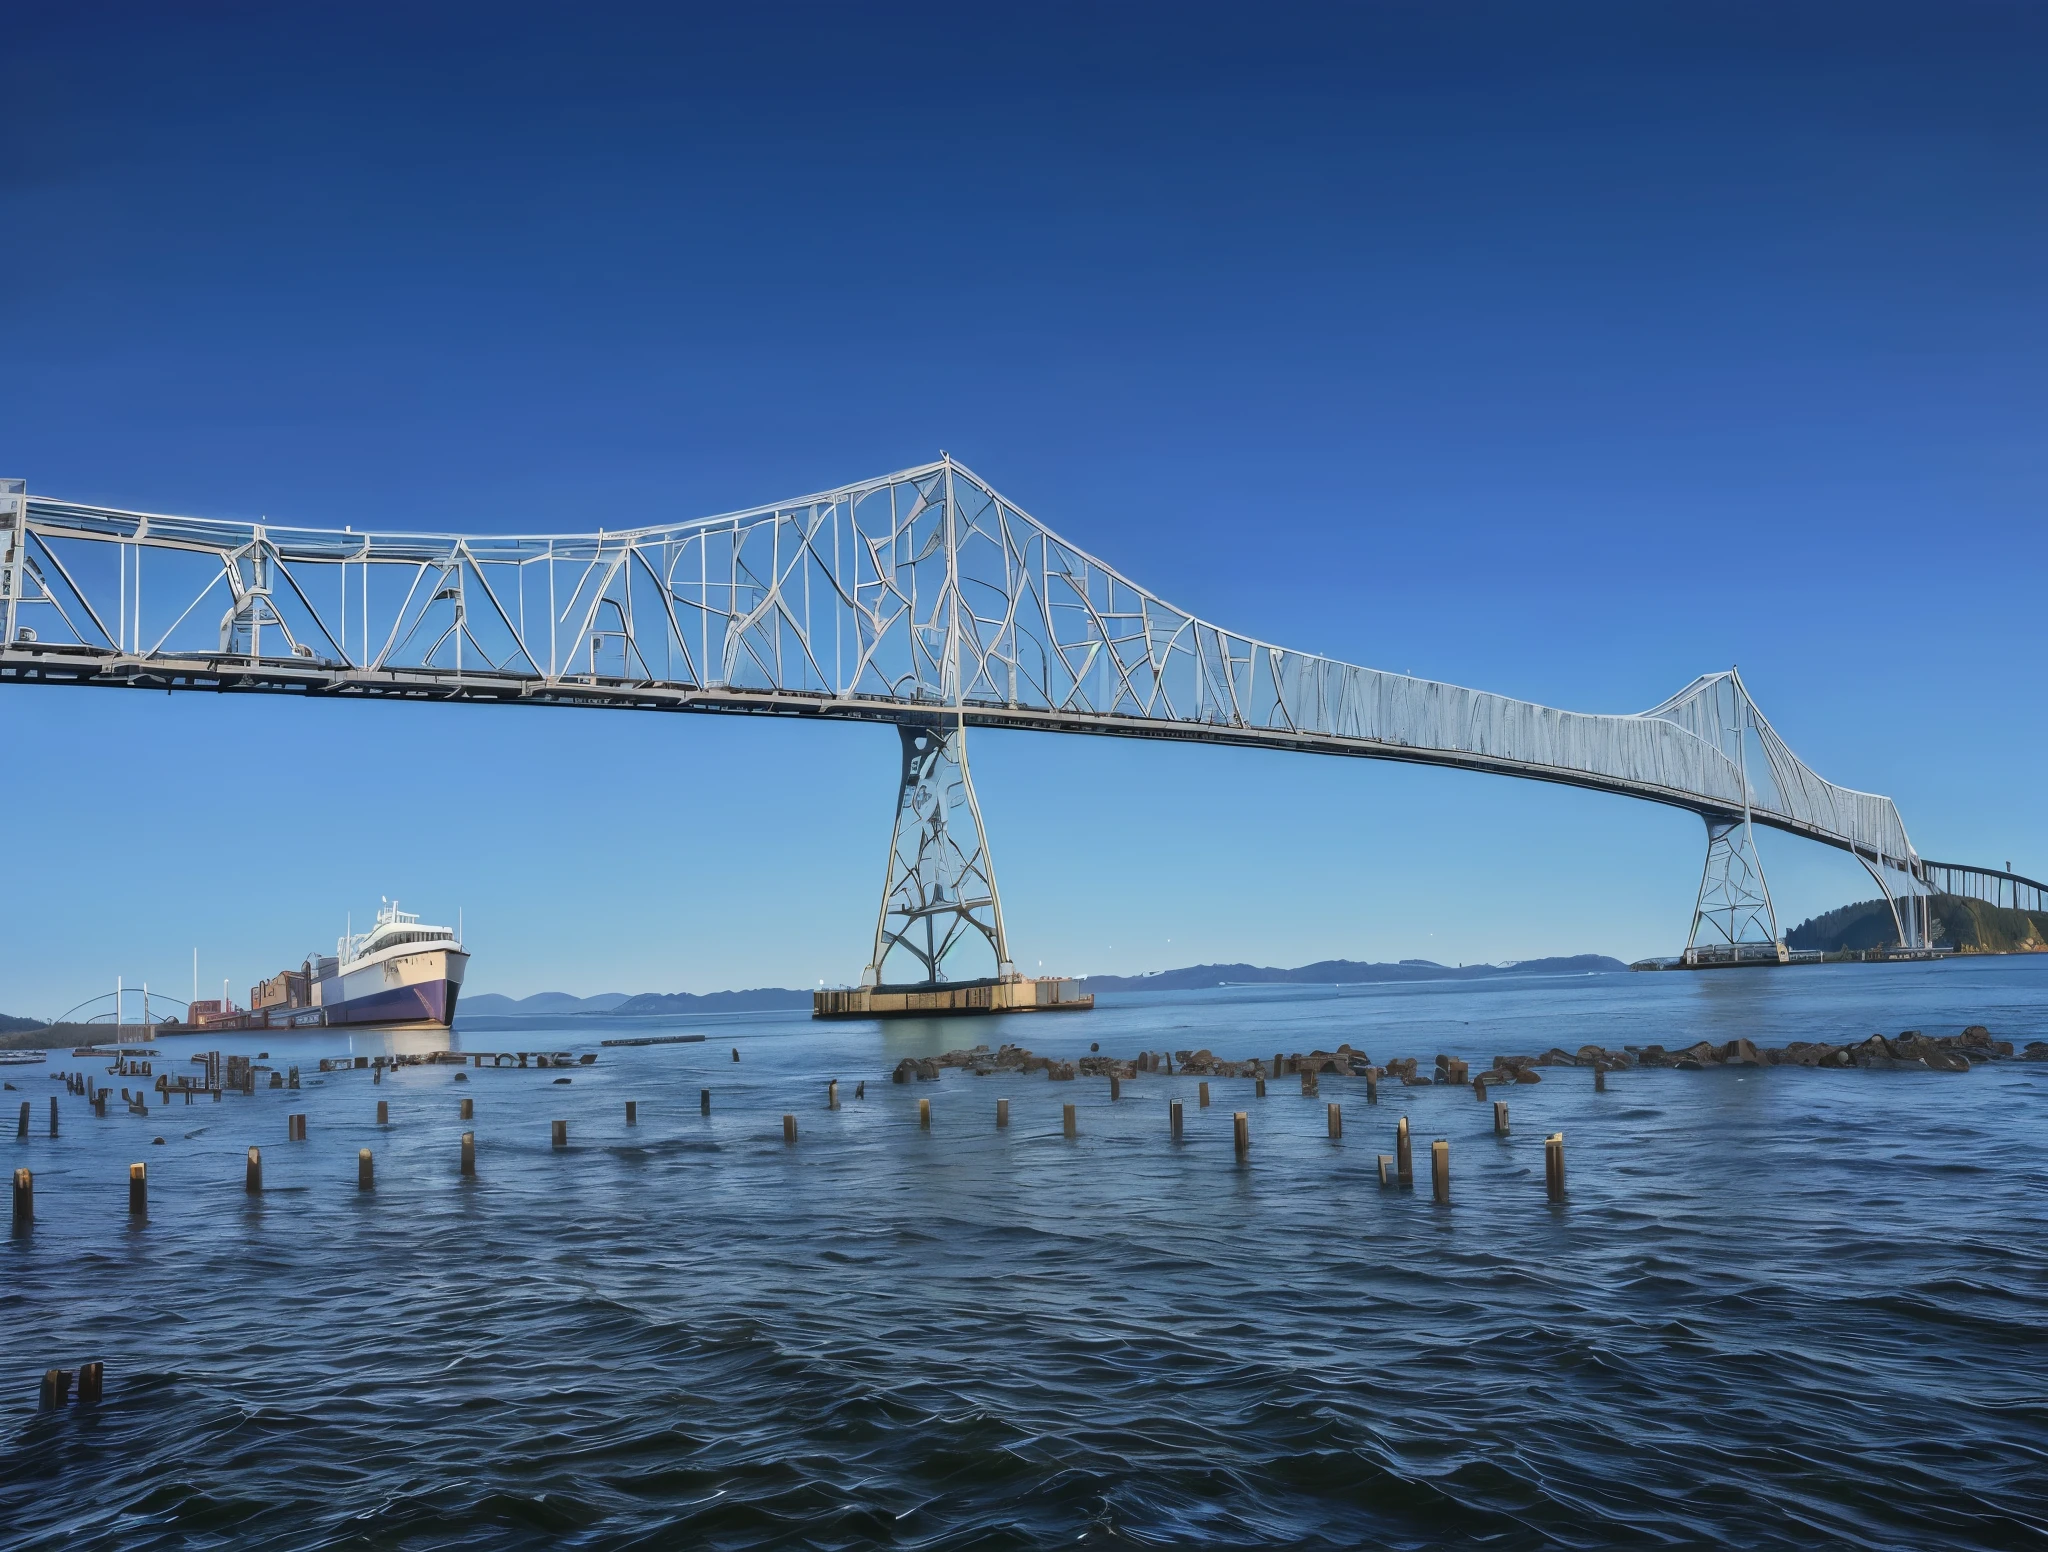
(1781, 1308)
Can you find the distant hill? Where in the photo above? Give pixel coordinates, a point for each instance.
(762, 997)
(1344, 972)
(496, 1005)
(10, 1025)
(1970, 926)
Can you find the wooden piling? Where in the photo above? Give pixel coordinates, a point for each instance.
(295, 1128)
(24, 1200)
(1260, 1088)
(1336, 1119)
(1116, 1088)
(1002, 1114)
(1404, 1157)
(1599, 1078)
(252, 1178)
(1386, 1170)
(1241, 1132)
(1372, 1088)
(1553, 1166)
(469, 1154)
(1204, 1092)
(92, 1378)
(560, 1130)
(366, 1171)
(1176, 1119)
(789, 1128)
(632, 1112)
(56, 1388)
(735, 1053)
(1479, 1089)
(377, 1073)
(99, 1103)
(1311, 1084)
(383, 1112)
(1067, 1122)
(53, 1115)
(468, 1111)
(1279, 1070)
(138, 1190)
(704, 1101)
(1440, 1171)
(832, 1095)
(22, 1130)
(924, 1114)
(1500, 1118)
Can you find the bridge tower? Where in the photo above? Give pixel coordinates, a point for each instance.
(1734, 912)
(941, 884)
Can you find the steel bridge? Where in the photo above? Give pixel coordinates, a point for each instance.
(922, 598)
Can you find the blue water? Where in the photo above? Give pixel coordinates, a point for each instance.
(1782, 1307)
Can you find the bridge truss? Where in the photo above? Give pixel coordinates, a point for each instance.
(922, 598)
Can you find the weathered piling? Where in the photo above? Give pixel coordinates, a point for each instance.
(924, 1114)
(468, 1111)
(1479, 1089)
(22, 1130)
(1259, 1088)
(789, 1128)
(99, 1103)
(469, 1154)
(366, 1171)
(633, 1112)
(295, 1128)
(138, 1190)
(704, 1101)
(24, 1200)
(1175, 1119)
(560, 1130)
(1386, 1170)
(1116, 1088)
(1440, 1171)
(832, 1095)
(1599, 1077)
(377, 1073)
(1310, 1083)
(1203, 1093)
(1336, 1119)
(252, 1178)
(735, 1053)
(1068, 1124)
(53, 1115)
(92, 1379)
(1553, 1166)
(1500, 1118)
(1404, 1157)
(383, 1112)
(1002, 1114)
(56, 1389)
(1372, 1088)
(1278, 1067)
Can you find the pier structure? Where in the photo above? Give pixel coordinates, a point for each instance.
(924, 599)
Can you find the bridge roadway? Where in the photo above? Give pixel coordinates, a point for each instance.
(922, 598)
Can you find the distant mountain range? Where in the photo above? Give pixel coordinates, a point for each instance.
(1325, 972)
(1343, 972)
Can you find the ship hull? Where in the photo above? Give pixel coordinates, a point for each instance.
(419, 988)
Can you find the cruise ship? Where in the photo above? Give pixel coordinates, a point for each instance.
(401, 971)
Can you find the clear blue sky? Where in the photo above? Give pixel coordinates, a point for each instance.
(1567, 351)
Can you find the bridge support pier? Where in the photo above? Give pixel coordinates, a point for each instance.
(941, 883)
(1734, 921)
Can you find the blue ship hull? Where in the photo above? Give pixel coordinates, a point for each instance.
(429, 1002)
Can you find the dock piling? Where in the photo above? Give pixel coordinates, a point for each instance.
(383, 1112)
(24, 1200)
(1002, 1114)
(832, 1095)
(53, 1115)
(1553, 1166)
(1204, 1093)
(704, 1101)
(468, 1112)
(252, 1178)
(1500, 1118)
(789, 1128)
(1176, 1119)
(56, 1389)
(138, 1190)
(366, 1171)
(1440, 1171)
(92, 1378)
(1599, 1077)
(1372, 1088)
(924, 1114)
(560, 1130)
(735, 1053)
(1116, 1088)
(1336, 1119)
(1386, 1170)
(469, 1154)
(1241, 1132)
(632, 1112)
(1259, 1088)
(1068, 1124)
(1404, 1157)
(22, 1130)
(295, 1128)
(1479, 1089)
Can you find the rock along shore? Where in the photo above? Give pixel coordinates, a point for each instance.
(1910, 1050)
